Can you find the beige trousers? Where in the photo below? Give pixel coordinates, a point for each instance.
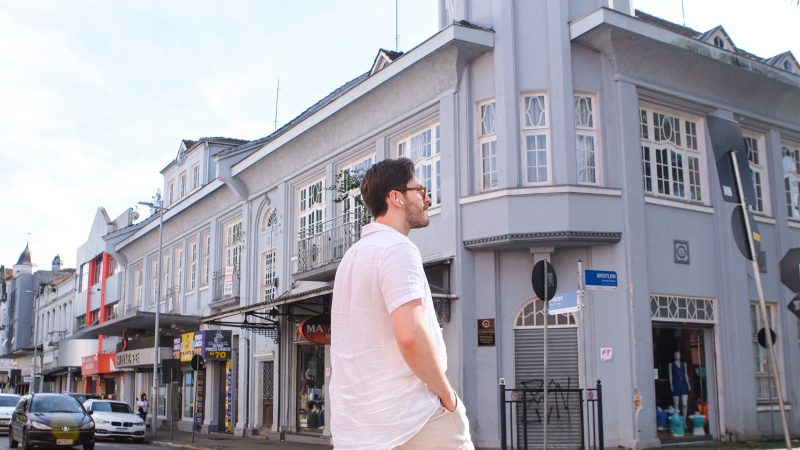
(444, 431)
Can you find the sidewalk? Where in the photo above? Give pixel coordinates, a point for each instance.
(221, 441)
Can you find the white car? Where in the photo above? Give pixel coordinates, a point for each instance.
(113, 419)
(7, 404)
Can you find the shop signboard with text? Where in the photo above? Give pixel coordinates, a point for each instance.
(98, 363)
(217, 345)
(187, 346)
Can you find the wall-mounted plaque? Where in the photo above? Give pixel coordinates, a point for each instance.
(486, 333)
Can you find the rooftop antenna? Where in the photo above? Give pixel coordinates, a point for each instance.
(396, 31)
(683, 13)
(277, 92)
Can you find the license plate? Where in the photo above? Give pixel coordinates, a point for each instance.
(4, 422)
(122, 429)
(63, 441)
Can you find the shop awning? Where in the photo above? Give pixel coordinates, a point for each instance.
(288, 297)
(51, 374)
(136, 320)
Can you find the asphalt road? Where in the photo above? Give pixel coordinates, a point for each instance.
(99, 445)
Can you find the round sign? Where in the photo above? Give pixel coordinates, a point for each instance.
(197, 362)
(762, 337)
(317, 329)
(543, 270)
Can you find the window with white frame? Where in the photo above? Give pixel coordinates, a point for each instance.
(165, 277)
(586, 138)
(791, 178)
(205, 269)
(269, 275)
(672, 158)
(487, 145)
(195, 176)
(311, 208)
(765, 388)
(424, 148)
(138, 287)
(351, 202)
(758, 169)
(192, 267)
(184, 183)
(171, 192)
(179, 269)
(232, 239)
(536, 138)
(153, 281)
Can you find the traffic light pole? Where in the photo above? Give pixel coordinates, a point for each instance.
(773, 365)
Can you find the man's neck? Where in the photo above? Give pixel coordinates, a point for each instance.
(394, 221)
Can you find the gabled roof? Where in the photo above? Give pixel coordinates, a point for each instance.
(709, 36)
(383, 59)
(718, 31)
(25, 257)
(187, 145)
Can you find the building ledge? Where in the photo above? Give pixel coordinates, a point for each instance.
(554, 238)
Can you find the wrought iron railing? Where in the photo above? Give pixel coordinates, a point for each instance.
(324, 243)
(226, 284)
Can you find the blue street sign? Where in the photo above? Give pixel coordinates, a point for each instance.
(600, 279)
(562, 303)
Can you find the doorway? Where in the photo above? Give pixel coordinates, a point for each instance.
(267, 374)
(682, 356)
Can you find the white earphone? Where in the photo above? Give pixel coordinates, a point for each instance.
(400, 203)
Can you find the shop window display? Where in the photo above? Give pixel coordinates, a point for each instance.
(679, 355)
(311, 388)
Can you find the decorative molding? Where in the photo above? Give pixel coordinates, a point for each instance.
(526, 239)
(610, 192)
(680, 252)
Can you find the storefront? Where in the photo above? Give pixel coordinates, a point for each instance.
(683, 371)
(136, 372)
(100, 374)
(311, 337)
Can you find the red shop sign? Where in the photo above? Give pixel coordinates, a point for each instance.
(317, 329)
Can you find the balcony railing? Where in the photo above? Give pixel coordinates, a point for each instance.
(324, 243)
(226, 284)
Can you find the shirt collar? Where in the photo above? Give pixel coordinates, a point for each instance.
(375, 227)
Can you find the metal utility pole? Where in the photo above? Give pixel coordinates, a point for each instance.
(157, 331)
(32, 388)
(277, 92)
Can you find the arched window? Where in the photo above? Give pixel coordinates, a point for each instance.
(269, 221)
(532, 316)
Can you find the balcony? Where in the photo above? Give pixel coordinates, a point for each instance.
(318, 251)
(226, 287)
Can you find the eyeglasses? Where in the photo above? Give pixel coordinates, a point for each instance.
(422, 189)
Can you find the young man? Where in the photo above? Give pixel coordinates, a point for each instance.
(388, 387)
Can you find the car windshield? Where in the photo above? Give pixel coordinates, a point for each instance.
(9, 400)
(55, 403)
(111, 407)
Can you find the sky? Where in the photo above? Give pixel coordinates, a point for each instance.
(95, 96)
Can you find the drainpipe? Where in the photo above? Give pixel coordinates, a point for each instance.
(247, 383)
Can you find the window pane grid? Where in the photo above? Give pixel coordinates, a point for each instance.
(535, 136)
(425, 151)
(791, 178)
(674, 150)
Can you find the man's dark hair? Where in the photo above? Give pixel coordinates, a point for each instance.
(387, 175)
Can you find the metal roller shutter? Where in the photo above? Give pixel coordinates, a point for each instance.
(563, 430)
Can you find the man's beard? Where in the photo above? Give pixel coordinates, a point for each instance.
(416, 217)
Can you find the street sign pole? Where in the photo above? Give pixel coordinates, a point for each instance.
(546, 319)
(773, 366)
(581, 324)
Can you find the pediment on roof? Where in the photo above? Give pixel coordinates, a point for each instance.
(785, 61)
(718, 38)
(384, 58)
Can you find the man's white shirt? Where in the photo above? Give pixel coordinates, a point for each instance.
(376, 400)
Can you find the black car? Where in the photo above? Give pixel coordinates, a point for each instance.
(50, 419)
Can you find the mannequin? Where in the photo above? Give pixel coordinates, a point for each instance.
(679, 383)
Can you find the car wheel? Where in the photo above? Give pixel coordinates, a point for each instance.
(88, 446)
(11, 442)
(25, 444)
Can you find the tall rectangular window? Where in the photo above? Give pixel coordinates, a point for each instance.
(424, 148)
(269, 275)
(192, 266)
(536, 138)
(153, 281)
(137, 287)
(487, 143)
(755, 147)
(205, 268)
(195, 176)
(179, 269)
(232, 240)
(586, 138)
(171, 192)
(765, 388)
(351, 202)
(165, 277)
(672, 158)
(311, 208)
(184, 184)
(791, 178)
